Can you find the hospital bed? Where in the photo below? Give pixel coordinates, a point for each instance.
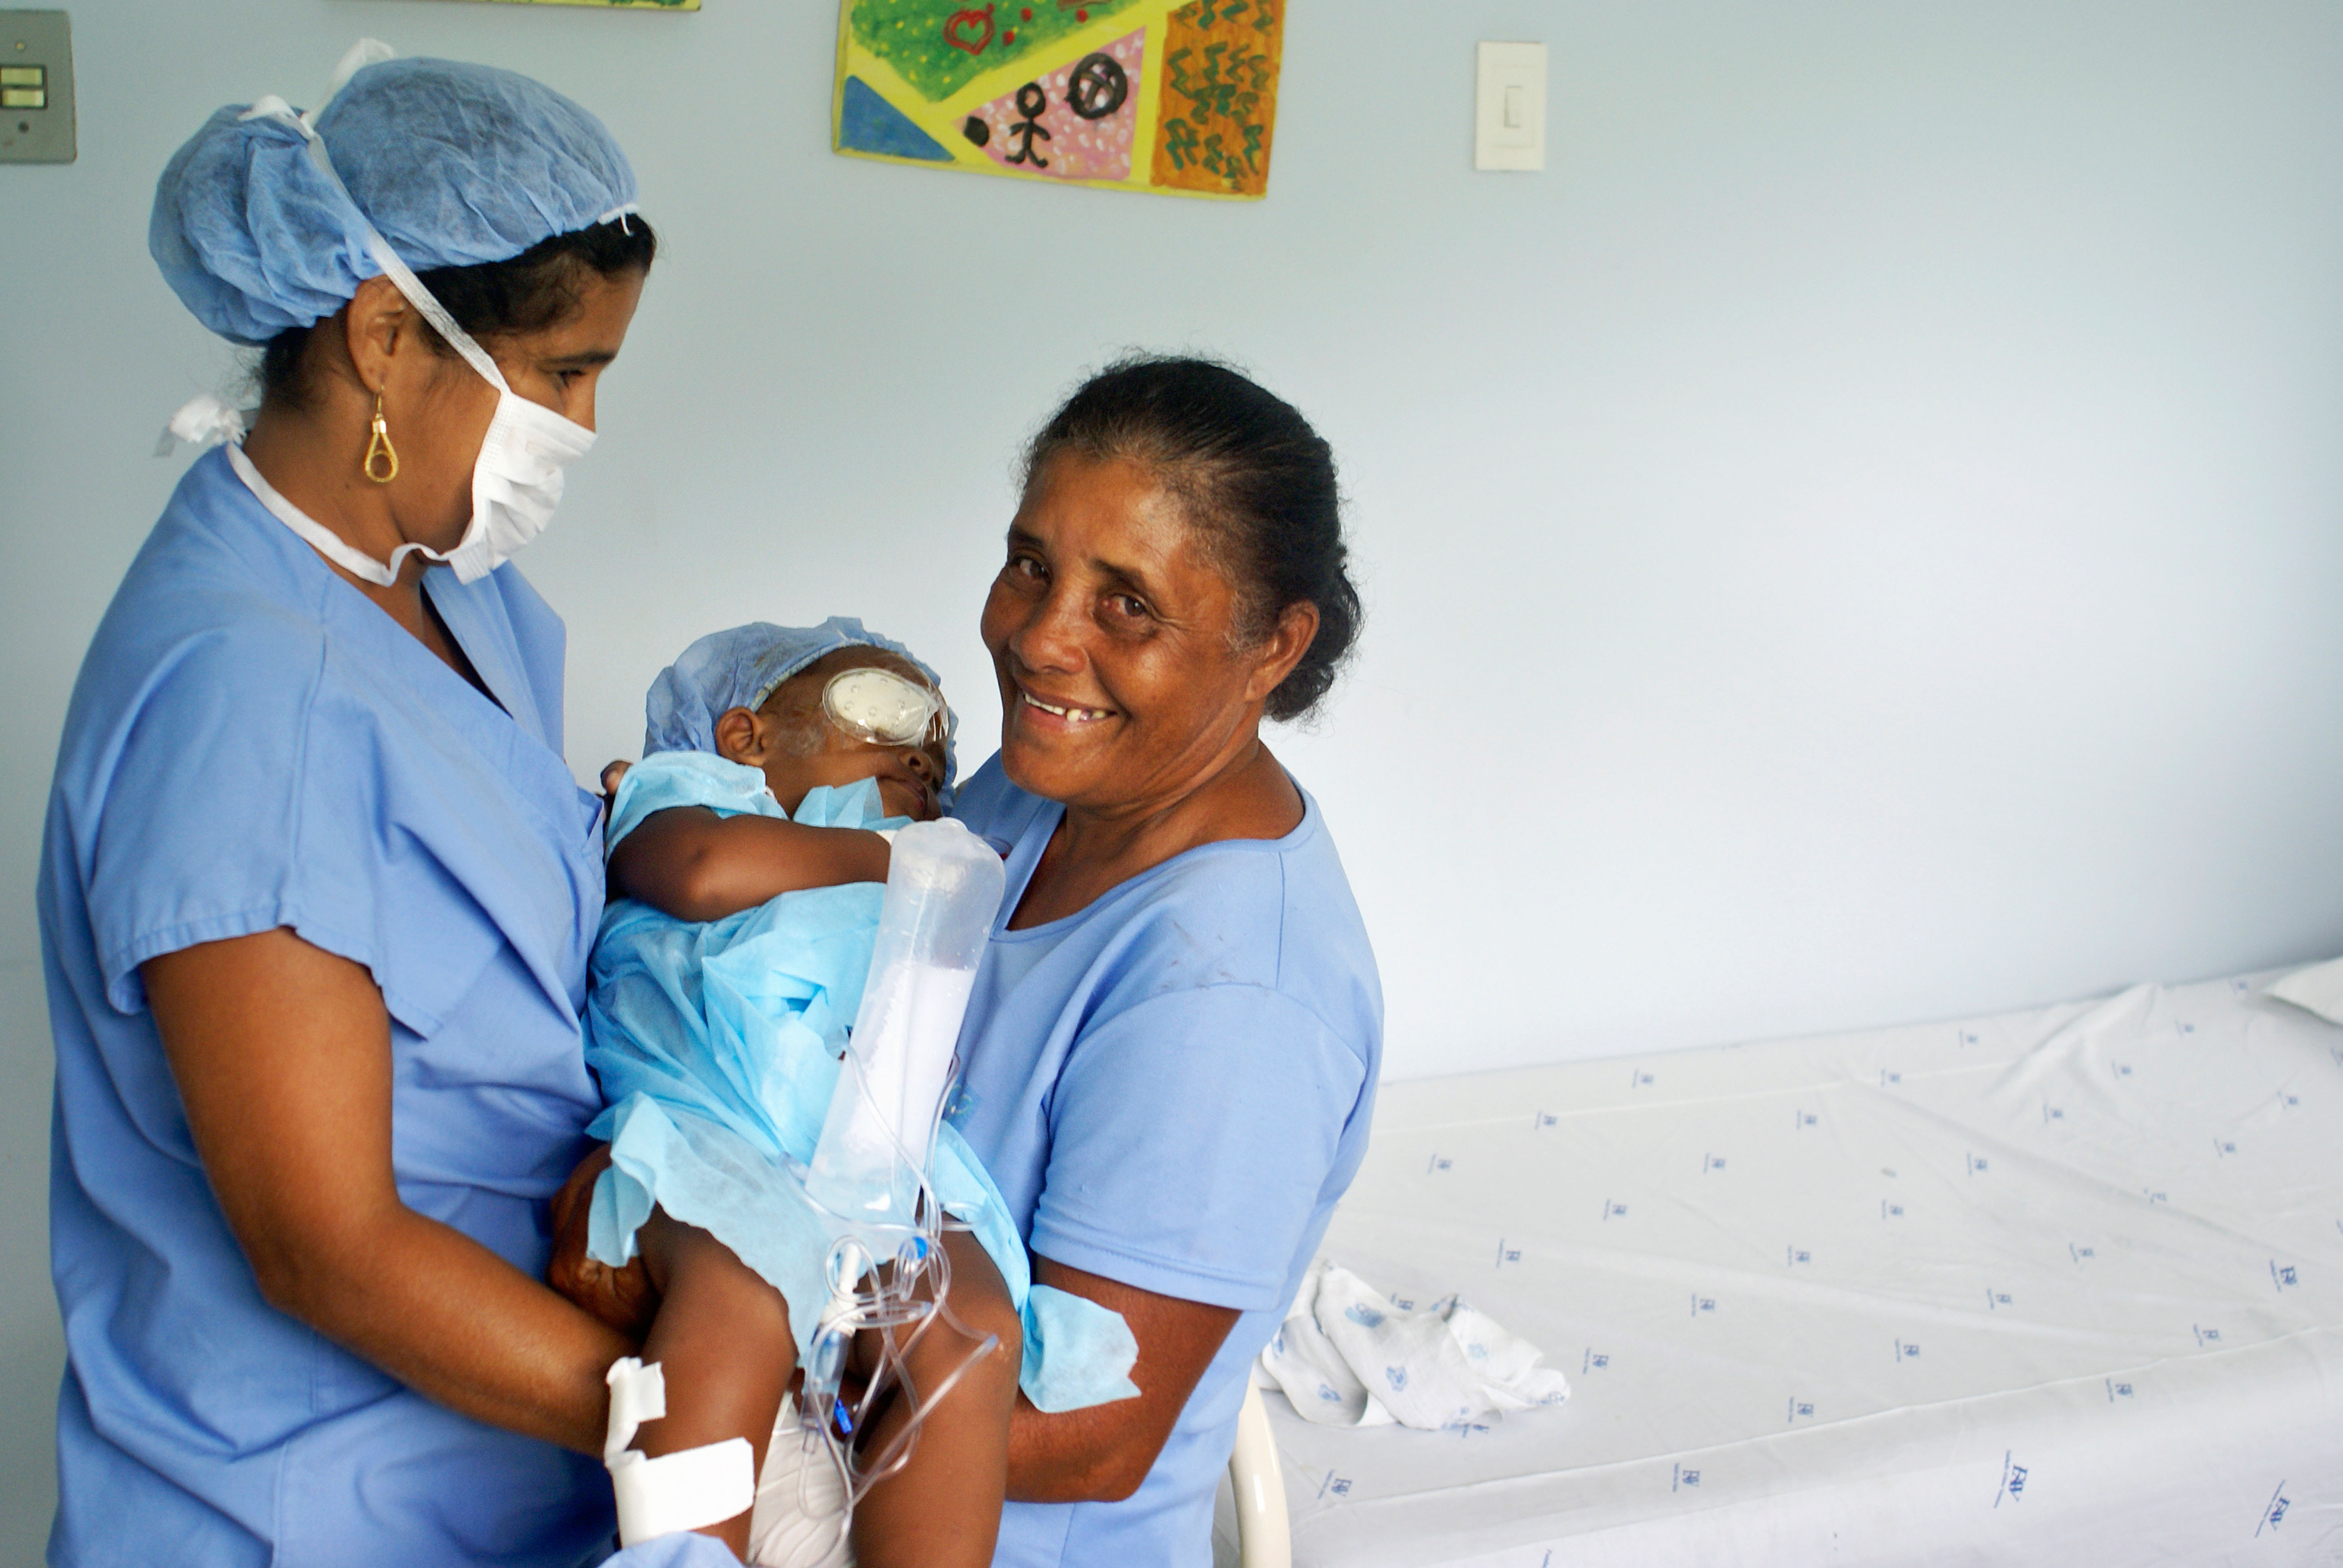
(2056, 1286)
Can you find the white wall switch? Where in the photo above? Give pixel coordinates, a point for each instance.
(1509, 130)
(36, 96)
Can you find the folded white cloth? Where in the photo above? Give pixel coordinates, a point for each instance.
(1348, 1356)
(2318, 988)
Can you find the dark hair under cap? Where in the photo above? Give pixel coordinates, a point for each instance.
(1255, 481)
(491, 298)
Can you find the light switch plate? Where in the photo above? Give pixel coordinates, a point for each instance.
(36, 124)
(1509, 129)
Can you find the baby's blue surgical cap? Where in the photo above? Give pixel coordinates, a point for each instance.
(740, 668)
(455, 164)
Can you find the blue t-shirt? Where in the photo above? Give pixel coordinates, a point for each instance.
(1172, 1087)
(253, 743)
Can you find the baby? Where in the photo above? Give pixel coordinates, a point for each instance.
(746, 853)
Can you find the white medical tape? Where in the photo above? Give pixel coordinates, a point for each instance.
(676, 1492)
(638, 1394)
(687, 1491)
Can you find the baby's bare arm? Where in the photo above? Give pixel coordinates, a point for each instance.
(695, 865)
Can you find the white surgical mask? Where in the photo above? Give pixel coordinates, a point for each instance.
(517, 477)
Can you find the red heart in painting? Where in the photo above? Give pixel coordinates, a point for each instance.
(969, 30)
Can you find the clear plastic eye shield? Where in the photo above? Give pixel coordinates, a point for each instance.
(884, 709)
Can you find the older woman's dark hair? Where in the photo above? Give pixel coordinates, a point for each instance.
(1257, 482)
(526, 294)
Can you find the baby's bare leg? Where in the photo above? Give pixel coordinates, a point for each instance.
(942, 1510)
(723, 1344)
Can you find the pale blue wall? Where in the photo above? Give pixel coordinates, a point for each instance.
(1857, 539)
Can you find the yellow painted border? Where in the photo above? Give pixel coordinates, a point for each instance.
(611, 5)
(941, 119)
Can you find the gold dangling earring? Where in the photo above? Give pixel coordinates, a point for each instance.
(380, 446)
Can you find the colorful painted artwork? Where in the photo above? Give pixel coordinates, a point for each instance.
(1174, 97)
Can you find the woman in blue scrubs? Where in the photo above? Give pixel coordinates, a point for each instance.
(1172, 1045)
(317, 888)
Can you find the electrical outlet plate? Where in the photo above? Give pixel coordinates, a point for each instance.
(1509, 130)
(37, 87)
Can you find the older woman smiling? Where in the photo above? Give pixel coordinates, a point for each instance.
(1173, 1047)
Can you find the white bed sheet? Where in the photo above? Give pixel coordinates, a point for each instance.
(2060, 1286)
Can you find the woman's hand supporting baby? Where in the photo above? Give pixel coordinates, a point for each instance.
(622, 1298)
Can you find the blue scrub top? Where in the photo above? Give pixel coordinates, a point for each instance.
(253, 743)
(1172, 1087)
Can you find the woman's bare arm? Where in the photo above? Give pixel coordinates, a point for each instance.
(1102, 1453)
(689, 862)
(282, 1054)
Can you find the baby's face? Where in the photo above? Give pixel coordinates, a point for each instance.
(799, 749)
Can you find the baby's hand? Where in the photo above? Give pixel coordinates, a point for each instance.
(611, 773)
(622, 1298)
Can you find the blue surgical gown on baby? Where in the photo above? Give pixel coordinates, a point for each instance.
(718, 1044)
(253, 744)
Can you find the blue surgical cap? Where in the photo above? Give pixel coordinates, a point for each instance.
(740, 668)
(455, 164)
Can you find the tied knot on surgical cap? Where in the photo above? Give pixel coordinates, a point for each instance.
(455, 165)
(742, 668)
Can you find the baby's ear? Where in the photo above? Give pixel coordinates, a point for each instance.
(736, 737)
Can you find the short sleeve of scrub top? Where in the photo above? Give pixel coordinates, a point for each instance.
(254, 744)
(1172, 1087)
